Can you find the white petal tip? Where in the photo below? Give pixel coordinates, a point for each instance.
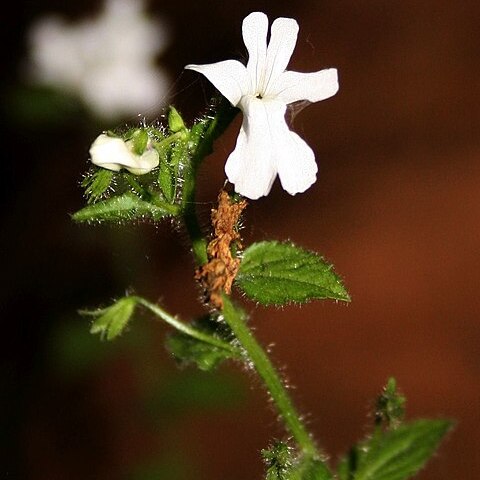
(251, 194)
(255, 17)
(306, 184)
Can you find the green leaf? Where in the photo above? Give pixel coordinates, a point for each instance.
(124, 207)
(97, 184)
(279, 460)
(401, 453)
(189, 350)
(390, 406)
(282, 465)
(111, 321)
(279, 273)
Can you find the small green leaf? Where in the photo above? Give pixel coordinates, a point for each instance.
(283, 465)
(279, 273)
(97, 183)
(390, 406)
(111, 321)
(399, 454)
(124, 207)
(189, 350)
(279, 460)
(175, 121)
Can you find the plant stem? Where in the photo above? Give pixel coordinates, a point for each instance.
(199, 243)
(142, 191)
(270, 376)
(207, 132)
(165, 142)
(254, 353)
(187, 329)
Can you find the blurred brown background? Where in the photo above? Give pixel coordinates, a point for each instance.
(396, 208)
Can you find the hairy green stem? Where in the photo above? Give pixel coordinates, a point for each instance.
(233, 316)
(185, 328)
(212, 129)
(165, 142)
(266, 370)
(139, 189)
(199, 243)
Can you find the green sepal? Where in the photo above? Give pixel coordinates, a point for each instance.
(110, 322)
(189, 350)
(279, 273)
(124, 207)
(175, 121)
(198, 131)
(179, 157)
(394, 454)
(165, 177)
(97, 183)
(140, 141)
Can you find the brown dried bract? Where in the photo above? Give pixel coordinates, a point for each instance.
(218, 274)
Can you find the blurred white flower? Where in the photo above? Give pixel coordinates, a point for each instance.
(262, 90)
(109, 60)
(114, 153)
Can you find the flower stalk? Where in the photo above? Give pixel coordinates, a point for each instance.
(233, 316)
(211, 130)
(257, 355)
(185, 328)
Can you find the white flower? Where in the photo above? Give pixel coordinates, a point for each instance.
(262, 90)
(108, 60)
(113, 153)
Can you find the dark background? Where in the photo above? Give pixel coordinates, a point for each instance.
(396, 208)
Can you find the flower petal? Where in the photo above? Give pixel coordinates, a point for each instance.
(230, 77)
(295, 86)
(113, 153)
(283, 39)
(254, 31)
(110, 152)
(144, 163)
(295, 160)
(250, 167)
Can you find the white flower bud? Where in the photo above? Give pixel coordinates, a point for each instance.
(113, 153)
